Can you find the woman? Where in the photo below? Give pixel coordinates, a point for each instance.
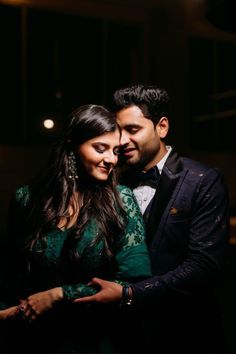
(71, 224)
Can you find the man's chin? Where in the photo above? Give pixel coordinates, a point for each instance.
(131, 161)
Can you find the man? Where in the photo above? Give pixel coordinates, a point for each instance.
(186, 211)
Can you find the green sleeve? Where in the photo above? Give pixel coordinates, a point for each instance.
(3, 306)
(76, 291)
(133, 258)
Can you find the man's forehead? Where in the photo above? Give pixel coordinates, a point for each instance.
(131, 114)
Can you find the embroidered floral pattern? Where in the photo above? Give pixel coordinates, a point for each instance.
(131, 260)
(135, 230)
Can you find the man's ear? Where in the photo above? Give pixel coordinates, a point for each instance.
(162, 127)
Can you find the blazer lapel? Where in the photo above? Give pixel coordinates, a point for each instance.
(165, 188)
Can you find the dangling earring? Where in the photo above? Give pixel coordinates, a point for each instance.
(72, 166)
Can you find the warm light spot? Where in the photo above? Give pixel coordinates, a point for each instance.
(48, 123)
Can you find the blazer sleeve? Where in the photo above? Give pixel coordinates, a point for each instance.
(208, 236)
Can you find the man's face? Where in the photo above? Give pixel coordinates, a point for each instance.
(140, 139)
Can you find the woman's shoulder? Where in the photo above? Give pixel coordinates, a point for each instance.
(127, 197)
(124, 191)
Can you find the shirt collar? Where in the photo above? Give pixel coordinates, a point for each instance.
(161, 163)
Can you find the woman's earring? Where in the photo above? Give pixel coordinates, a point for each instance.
(72, 166)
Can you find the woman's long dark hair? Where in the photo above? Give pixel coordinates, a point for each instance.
(55, 189)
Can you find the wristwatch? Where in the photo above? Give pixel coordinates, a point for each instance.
(126, 295)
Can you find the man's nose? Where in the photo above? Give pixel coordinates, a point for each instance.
(124, 138)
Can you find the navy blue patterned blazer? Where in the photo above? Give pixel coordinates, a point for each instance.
(187, 237)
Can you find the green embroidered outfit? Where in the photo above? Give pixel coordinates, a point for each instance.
(75, 328)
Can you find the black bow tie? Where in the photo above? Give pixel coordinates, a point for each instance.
(149, 178)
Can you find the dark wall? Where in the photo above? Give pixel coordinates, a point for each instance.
(222, 13)
(53, 61)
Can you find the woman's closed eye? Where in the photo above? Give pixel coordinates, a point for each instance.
(100, 148)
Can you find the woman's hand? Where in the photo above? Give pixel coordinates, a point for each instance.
(38, 303)
(9, 313)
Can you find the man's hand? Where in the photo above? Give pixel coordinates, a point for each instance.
(110, 292)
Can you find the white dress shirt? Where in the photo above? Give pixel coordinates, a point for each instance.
(144, 194)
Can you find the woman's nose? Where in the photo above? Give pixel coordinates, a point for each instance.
(111, 158)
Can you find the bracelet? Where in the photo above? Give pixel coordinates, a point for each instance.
(126, 296)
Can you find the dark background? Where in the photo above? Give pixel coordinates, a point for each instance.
(59, 54)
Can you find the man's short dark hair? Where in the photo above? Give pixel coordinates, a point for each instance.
(152, 100)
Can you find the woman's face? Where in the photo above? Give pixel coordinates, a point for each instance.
(99, 155)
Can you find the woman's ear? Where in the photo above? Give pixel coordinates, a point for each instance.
(162, 127)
